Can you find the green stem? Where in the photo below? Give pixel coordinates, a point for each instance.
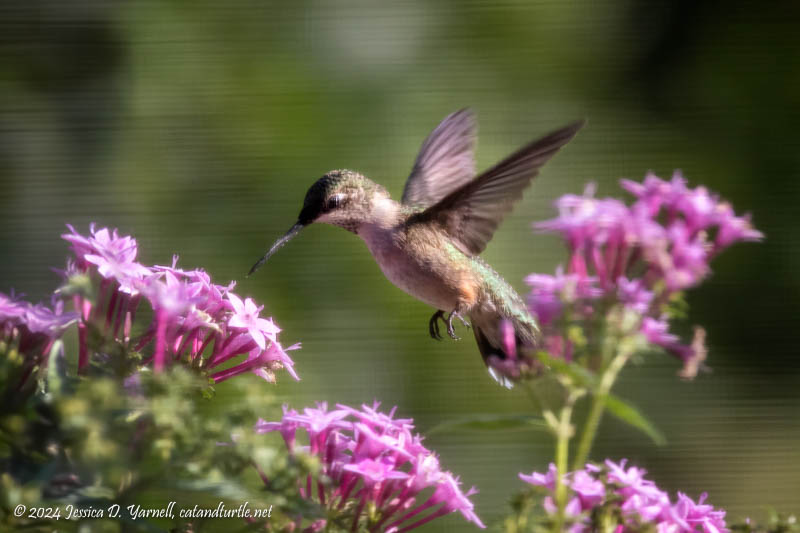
(563, 434)
(599, 398)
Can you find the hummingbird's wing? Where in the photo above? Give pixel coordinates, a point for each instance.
(471, 213)
(445, 161)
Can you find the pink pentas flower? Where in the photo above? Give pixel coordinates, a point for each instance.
(191, 320)
(599, 489)
(655, 194)
(317, 420)
(34, 331)
(547, 480)
(693, 354)
(574, 214)
(245, 315)
(112, 255)
(372, 441)
(509, 340)
(699, 207)
(449, 494)
(426, 471)
(51, 320)
(733, 229)
(590, 491)
(637, 257)
(81, 245)
(634, 295)
(549, 294)
(685, 262)
(11, 309)
(37, 319)
(168, 293)
(286, 427)
(632, 483)
(375, 473)
(693, 516)
(656, 331)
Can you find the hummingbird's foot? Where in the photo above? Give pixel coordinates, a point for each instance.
(433, 325)
(450, 329)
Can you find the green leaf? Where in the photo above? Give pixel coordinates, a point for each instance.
(631, 415)
(491, 423)
(57, 369)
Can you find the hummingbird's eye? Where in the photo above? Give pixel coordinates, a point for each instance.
(334, 202)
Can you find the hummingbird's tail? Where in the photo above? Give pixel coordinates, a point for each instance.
(505, 346)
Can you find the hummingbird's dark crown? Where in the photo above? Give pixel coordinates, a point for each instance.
(317, 196)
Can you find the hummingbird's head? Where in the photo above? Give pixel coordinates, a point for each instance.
(342, 198)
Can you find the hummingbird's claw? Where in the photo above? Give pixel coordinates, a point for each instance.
(433, 325)
(450, 329)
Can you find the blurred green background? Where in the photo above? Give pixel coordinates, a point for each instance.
(198, 126)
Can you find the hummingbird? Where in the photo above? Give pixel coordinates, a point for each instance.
(428, 244)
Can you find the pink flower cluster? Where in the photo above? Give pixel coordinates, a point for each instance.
(636, 255)
(31, 330)
(373, 469)
(638, 500)
(190, 319)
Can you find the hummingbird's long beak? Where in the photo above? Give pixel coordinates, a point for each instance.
(294, 230)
